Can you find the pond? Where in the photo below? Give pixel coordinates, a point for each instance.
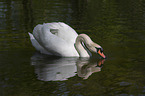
(118, 26)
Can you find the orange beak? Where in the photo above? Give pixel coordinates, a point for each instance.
(101, 54)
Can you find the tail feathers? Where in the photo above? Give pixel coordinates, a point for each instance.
(31, 36)
(34, 42)
(37, 46)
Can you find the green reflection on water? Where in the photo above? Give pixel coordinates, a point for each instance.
(118, 26)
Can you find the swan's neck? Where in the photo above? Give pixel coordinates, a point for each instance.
(82, 39)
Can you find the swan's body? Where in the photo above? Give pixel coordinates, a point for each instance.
(61, 40)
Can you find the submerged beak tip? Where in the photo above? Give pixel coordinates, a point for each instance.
(104, 57)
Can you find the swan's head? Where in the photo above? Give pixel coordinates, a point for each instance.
(96, 48)
(86, 40)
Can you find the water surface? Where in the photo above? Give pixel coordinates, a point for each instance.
(118, 26)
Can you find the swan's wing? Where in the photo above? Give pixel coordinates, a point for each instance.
(37, 46)
(63, 31)
(52, 43)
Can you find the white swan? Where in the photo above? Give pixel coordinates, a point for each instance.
(61, 40)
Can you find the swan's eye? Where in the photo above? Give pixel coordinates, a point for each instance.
(101, 49)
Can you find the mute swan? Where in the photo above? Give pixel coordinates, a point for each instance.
(61, 40)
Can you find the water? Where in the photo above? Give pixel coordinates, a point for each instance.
(118, 26)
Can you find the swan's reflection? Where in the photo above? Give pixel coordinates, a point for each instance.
(86, 68)
(59, 69)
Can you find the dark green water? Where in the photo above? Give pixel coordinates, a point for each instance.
(117, 25)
